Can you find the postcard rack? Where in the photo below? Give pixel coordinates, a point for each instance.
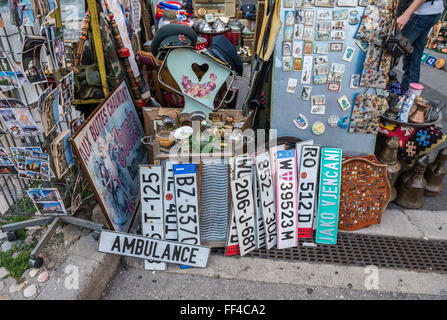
(10, 185)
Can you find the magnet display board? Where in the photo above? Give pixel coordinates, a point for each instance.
(287, 106)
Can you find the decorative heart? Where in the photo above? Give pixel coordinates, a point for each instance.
(199, 70)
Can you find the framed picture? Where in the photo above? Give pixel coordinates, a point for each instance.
(286, 48)
(347, 3)
(297, 49)
(340, 14)
(325, 3)
(336, 46)
(109, 148)
(324, 14)
(289, 20)
(298, 64)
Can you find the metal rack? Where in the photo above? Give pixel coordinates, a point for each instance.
(10, 184)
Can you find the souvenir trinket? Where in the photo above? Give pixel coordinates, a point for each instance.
(410, 191)
(389, 156)
(332, 121)
(435, 174)
(301, 122)
(318, 128)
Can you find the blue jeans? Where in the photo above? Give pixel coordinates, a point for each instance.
(416, 31)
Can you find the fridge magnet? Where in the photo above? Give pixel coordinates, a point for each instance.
(321, 48)
(323, 30)
(344, 103)
(318, 109)
(301, 122)
(354, 18)
(298, 64)
(324, 14)
(334, 86)
(340, 14)
(321, 60)
(291, 85)
(321, 70)
(304, 3)
(286, 48)
(336, 46)
(287, 63)
(307, 47)
(347, 3)
(338, 25)
(337, 35)
(298, 31)
(363, 45)
(289, 33)
(305, 92)
(309, 17)
(349, 54)
(290, 18)
(332, 121)
(320, 99)
(320, 79)
(307, 69)
(308, 33)
(354, 83)
(363, 3)
(297, 49)
(325, 3)
(318, 128)
(299, 16)
(287, 4)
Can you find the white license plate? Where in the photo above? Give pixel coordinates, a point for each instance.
(241, 166)
(307, 189)
(273, 151)
(187, 204)
(151, 187)
(170, 211)
(260, 230)
(154, 249)
(286, 201)
(267, 197)
(242, 195)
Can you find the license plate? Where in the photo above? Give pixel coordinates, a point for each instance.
(153, 249)
(273, 151)
(329, 196)
(151, 179)
(241, 166)
(260, 230)
(307, 189)
(170, 211)
(298, 148)
(187, 204)
(286, 200)
(267, 197)
(242, 195)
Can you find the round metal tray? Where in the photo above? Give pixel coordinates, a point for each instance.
(412, 125)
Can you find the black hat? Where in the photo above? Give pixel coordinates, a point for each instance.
(173, 35)
(223, 51)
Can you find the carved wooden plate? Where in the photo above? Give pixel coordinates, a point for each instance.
(365, 192)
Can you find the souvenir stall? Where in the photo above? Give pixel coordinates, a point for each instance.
(144, 111)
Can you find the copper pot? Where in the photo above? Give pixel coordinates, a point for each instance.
(418, 115)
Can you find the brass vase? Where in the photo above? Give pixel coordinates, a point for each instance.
(435, 174)
(411, 189)
(389, 156)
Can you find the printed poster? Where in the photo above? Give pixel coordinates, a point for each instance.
(109, 148)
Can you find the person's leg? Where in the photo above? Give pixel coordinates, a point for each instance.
(417, 34)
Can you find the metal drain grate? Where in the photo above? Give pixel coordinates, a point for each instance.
(363, 250)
